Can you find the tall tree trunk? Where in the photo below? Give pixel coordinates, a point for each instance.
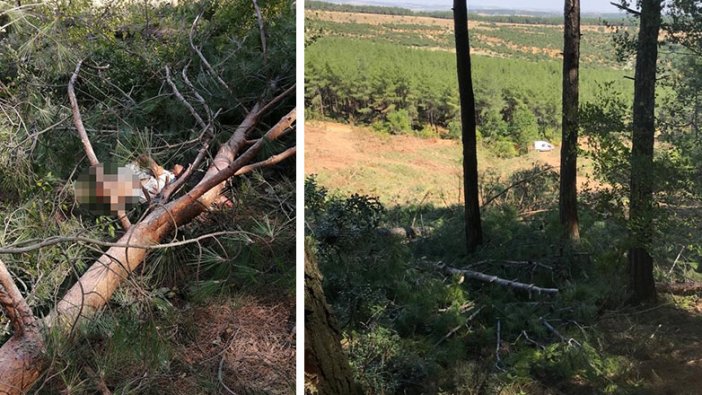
(640, 217)
(327, 369)
(568, 207)
(474, 231)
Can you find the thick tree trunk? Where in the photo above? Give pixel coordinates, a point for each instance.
(26, 337)
(474, 230)
(569, 147)
(640, 217)
(21, 358)
(327, 369)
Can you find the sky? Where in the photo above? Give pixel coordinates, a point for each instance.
(551, 5)
(547, 5)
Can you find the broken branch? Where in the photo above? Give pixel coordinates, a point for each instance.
(245, 127)
(202, 57)
(87, 146)
(205, 136)
(499, 281)
(14, 304)
(77, 120)
(522, 181)
(68, 239)
(553, 330)
(180, 98)
(96, 286)
(262, 30)
(627, 9)
(276, 100)
(225, 166)
(197, 96)
(273, 160)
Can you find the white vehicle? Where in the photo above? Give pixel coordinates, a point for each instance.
(543, 146)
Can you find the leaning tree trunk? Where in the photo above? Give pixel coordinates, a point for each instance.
(327, 369)
(21, 357)
(568, 197)
(640, 217)
(474, 231)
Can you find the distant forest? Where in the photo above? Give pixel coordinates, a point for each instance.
(360, 82)
(524, 18)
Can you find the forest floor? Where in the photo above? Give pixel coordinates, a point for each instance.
(403, 169)
(247, 344)
(662, 344)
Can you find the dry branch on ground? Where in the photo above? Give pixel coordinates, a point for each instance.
(497, 280)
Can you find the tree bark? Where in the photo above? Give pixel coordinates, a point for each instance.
(22, 359)
(568, 207)
(473, 228)
(641, 200)
(327, 369)
(25, 338)
(14, 305)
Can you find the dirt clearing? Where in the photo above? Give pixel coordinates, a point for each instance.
(380, 19)
(399, 169)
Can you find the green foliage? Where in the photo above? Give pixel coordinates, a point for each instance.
(372, 354)
(606, 123)
(523, 127)
(562, 362)
(503, 147)
(399, 122)
(407, 325)
(360, 81)
(122, 347)
(390, 295)
(455, 130)
(338, 222)
(679, 118)
(492, 123)
(387, 318)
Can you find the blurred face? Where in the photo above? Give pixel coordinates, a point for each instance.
(103, 191)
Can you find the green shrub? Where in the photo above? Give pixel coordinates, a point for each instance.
(455, 130)
(503, 148)
(523, 128)
(399, 122)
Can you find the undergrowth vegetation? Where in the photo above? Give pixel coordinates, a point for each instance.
(409, 326)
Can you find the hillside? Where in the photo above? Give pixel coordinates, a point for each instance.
(497, 39)
(509, 301)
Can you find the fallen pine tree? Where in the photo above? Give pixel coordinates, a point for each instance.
(21, 357)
